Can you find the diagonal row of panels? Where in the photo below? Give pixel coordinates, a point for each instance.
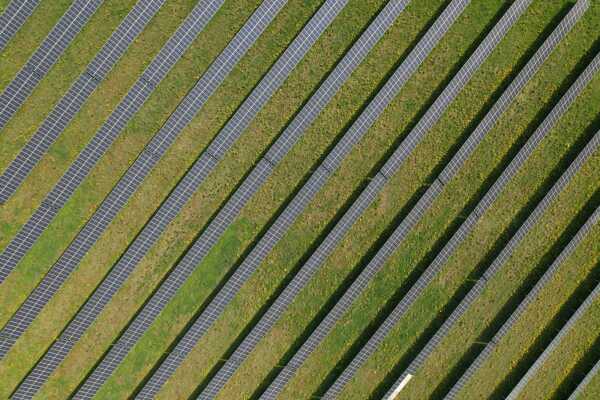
(369, 194)
(250, 185)
(169, 54)
(42, 60)
(13, 18)
(531, 295)
(414, 215)
(184, 113)
(303, 276)
(70, 104)
(210, 236)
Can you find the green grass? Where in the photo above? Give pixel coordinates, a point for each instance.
(529, 185)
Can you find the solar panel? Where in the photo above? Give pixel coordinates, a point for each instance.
(123, 190)
(466, 227)
(533, 293)
(585, 382)
(333, 82)
(306, 193)
(554, 344)
(108, 132)
(73, 100)
(45, 56)
(13, 18)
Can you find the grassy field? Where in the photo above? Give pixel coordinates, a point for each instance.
(510, 359)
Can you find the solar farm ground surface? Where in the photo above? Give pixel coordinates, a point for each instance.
(513, 355)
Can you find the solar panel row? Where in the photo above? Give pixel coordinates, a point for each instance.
(73, 100)
(489, 198)
(554, 344)
(306, 193)
(45, 56)
(585, 382)
(241, 119)
(170, 53)
(13, 18)
(334, 81)
(534, 292)
(129, 183)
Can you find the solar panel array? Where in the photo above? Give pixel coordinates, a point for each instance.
(554, 344)
(129, 183)
(73, 100)
(306, 193)
(235, 126)
(586, 380)
(350, 61)
(184, 113)
(534, 292)
(490, 196)
(168, 289)
(500, 260)
(369, 194)
(71, 23)
(45, 56)
(170, 53)
(13, 18)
